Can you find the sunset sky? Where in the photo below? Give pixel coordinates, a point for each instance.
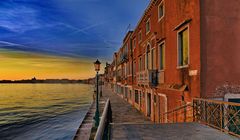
(62, 38)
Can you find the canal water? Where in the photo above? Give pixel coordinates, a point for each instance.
(42, 111)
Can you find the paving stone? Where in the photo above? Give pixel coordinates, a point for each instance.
(130, 124)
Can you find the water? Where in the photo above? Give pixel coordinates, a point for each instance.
(42, 111)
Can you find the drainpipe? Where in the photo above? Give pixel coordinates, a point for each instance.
(132, 59)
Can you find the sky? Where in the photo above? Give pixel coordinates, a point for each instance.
(50, 39)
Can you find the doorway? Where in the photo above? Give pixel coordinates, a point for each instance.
(148, 104)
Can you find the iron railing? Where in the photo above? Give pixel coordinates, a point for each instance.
(183, 113)
(224, 116)
(221, 115)
(148, 77)
(153, 78)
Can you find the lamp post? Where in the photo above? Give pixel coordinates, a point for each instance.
(96, 117)
(101, 83)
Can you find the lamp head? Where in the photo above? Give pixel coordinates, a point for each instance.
(97, 65)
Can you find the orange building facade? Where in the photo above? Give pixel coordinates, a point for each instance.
(162, 65)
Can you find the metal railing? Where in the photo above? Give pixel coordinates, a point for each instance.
(224, 116)
(106, 119)
(153, 78)
(221, 115)
(183, 113)
(148, 77)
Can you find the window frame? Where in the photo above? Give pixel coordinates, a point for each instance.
(163, 44)
(134, 43)
(148, 23)
(140, 63)
(140, 39)
(153, 53)
(134, 67)
(136, 98)
(161, 4)
(179, 31)
(148, 56)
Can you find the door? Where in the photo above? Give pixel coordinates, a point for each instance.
(140, 100)
(149, 104)
(126, 93)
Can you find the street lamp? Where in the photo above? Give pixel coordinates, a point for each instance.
(101, 84)
(97, 69)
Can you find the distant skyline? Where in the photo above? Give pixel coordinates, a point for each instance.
(62, 38)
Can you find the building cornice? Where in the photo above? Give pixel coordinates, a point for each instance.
(149, 7)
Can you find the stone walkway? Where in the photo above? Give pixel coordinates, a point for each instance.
(130, 124)
(177, 131)
(122, 111)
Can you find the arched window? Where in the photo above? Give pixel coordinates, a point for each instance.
(148, 57)
(153, 59)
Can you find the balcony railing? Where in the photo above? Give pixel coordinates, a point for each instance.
(153, 78)
(123, 58)
(149, 77)
(118, 78)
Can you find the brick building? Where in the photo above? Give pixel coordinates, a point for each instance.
(179, 50)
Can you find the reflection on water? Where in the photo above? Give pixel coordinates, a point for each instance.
(42, 111)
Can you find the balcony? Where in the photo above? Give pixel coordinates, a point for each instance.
(153, 78)
(123, 58)
(149, 78)
(118, 78)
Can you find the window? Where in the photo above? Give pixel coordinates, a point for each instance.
(134, 43)
(130, 94)
(143, 62)
(134, 67)
(153, 52)
(130, 68)
(126, 70)
(160, 11)
(148, 26)
(140, 36)
(140, 64)
(136, 97)
(162, 56)
(183, 48)
(148, 57)
(125, 50)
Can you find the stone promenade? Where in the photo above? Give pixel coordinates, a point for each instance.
(122, 111)
(130, 124)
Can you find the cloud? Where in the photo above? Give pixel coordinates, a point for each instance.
(75, 51)
(74, 28)
(18, 18)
